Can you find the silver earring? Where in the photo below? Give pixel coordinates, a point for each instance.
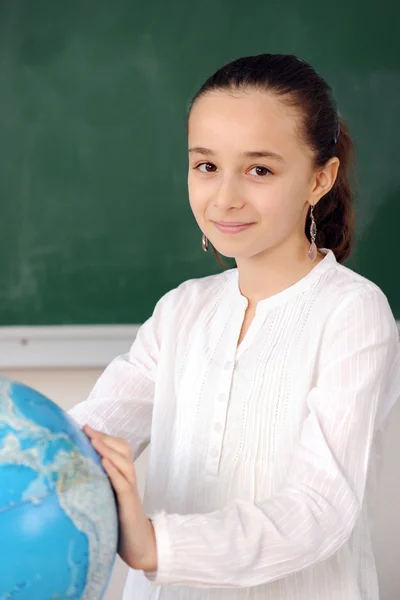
(204, 243)
(312, 251)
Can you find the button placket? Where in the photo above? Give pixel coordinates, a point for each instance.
(218, 424)
(219, 420)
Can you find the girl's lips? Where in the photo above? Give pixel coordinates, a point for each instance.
(232, 227)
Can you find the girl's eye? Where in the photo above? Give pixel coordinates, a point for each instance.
(206, 167)
(261, 171)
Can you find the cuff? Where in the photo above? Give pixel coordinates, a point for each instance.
(164, 550)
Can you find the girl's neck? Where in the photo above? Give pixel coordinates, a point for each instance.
(274, 270)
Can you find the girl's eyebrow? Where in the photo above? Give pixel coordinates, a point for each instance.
(249, 154)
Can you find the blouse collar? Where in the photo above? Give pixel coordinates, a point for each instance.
(327, 263)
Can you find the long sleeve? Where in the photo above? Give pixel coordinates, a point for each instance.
(121, 402)
(315, 511)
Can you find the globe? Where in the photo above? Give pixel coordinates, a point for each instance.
(58, 518)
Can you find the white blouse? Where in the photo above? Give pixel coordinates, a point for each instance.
(263, 457)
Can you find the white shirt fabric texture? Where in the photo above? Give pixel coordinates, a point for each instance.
(264, 457)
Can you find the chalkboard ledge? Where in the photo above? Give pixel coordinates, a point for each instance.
(75, 346)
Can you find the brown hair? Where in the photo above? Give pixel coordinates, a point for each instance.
(322, 129)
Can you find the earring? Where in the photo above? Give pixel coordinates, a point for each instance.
(312, 251)
(204, 243)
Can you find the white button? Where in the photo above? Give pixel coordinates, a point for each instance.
(222, 397)
(214, 453)
(217, 426)
(228, 366)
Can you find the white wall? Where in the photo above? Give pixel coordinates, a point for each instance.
(69, 386)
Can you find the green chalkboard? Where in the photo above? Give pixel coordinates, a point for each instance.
(95, 224)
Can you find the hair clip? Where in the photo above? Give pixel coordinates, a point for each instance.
(336, 136)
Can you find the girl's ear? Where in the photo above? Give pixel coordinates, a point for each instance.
(325, 179)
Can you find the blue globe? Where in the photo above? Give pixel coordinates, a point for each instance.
(58, 518)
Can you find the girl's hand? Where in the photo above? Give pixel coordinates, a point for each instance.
(137, 542)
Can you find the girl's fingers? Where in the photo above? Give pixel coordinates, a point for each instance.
(118, 480)
(117, 455)
(121, 463)
(118, 444)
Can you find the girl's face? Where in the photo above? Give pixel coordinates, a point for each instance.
(248, 166)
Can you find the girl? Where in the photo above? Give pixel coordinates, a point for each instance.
(263, 390)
